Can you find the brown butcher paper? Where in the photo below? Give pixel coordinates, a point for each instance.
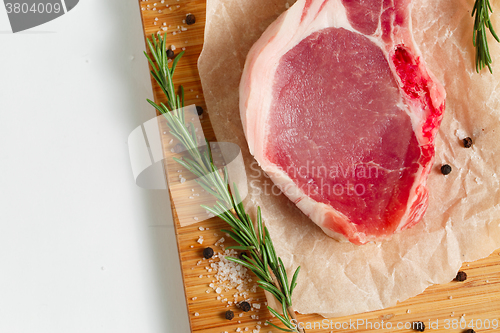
(462, 222)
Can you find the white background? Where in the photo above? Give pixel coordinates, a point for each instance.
(82, 248)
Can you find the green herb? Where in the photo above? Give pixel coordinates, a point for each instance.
(254, 239)
(482, 9)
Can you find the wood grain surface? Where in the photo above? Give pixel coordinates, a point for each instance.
(440, 307)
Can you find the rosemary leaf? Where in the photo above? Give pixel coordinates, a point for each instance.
(293, 283)
(243, 248)
(482, 10)
(280, 328)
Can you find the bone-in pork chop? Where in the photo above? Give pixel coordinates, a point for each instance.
(340, 111)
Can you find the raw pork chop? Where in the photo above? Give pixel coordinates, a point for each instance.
(340, 111)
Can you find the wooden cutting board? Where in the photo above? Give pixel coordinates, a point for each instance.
(478, 298)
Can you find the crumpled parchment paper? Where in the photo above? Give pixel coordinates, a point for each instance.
(462, 222)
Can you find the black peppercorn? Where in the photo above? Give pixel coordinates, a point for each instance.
(467, 142)
(470, 330)
(461, 276)
(229, 314)
(245, 306)
(208, 253)
(190, 19)
(419, 326)
(199, 110)
(240, 255)
(170, 54)
(446, 169)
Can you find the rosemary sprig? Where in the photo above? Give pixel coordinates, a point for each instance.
(255, 239)
(482, 9)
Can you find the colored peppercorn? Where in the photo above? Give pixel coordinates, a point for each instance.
(190, 19)
(461, 276)
(419, 326)
(208, 253)
(468, 142)
(229, 314)
(446, 169)
(245, 306)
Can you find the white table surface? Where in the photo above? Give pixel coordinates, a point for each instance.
(82, 248)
